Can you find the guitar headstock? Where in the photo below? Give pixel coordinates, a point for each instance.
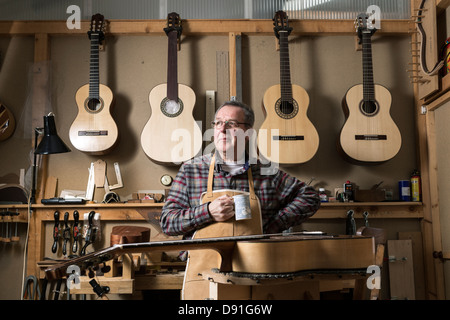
(173, 23)
(364, 25)
(281, 23)
(97, 26)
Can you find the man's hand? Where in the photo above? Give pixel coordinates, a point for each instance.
(222, 208)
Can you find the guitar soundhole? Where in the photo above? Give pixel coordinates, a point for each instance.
(93, 105)
(369, 108)
(171, 108)
(286, 109)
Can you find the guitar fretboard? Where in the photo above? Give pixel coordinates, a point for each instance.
(172, 66)
(285, 69)
(368, 85)
(94, 78)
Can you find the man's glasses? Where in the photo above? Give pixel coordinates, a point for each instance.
(228, 124)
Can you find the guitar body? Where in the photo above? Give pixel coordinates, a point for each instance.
(7, 122)
(297, 138)
(168, 137)
(369, 137)
(94, 130)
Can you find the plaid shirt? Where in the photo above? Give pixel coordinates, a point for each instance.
(285, 201)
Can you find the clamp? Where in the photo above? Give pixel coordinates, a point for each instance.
(55, 231)
(90, 234)
(76, 231)
(66, 232)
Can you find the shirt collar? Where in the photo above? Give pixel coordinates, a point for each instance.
(219, 162)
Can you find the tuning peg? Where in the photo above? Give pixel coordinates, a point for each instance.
(105, 268)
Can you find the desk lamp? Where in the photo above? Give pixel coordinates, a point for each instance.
(51, 143)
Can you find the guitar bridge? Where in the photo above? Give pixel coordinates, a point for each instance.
(288, 138)
(92, 133)
(370, 137)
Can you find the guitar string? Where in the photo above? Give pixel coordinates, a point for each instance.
(94, 81)
(368, 84)
(286, 89)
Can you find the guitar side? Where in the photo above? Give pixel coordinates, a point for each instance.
(380, 124)
(93, 132)
(290, 151)
(171, 139)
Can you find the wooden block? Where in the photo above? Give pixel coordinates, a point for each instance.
(129, 234)
(50, 187)
(401, 269)
(116, 285)
(99, 173)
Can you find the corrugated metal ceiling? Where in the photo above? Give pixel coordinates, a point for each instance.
(200, 9)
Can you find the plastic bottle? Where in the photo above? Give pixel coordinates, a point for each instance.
(323, 196)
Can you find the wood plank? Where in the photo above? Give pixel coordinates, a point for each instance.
(440, 101)
(170, 281)
(417, 249)
(234, 65)
(117, 285)
(401, 270)
(199, 26)
(430, 263)
(441, 5)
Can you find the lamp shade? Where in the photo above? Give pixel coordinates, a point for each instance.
(51, 142)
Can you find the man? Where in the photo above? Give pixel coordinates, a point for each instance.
(284, 200)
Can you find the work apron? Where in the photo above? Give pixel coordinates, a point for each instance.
(194, 286)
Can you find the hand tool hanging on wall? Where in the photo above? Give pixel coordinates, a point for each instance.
(366, 218)
(90, 233)
(66, 232)
(350, 226)
(55, 232)
(76, 231)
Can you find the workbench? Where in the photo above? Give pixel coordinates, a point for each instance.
(41, 219)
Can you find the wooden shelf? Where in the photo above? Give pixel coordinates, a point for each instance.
(384, 210)
(199, 27)
(328, 210)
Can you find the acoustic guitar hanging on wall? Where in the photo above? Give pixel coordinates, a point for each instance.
(171, 135)
(369, 134)
(285, 106)
(94, 130)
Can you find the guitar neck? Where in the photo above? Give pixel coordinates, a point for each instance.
(368, 84)
(172, 66)
(285, 68)
(223, 245)
(94, 76)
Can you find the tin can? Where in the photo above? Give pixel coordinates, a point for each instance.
(404, 190)
(416, 193)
